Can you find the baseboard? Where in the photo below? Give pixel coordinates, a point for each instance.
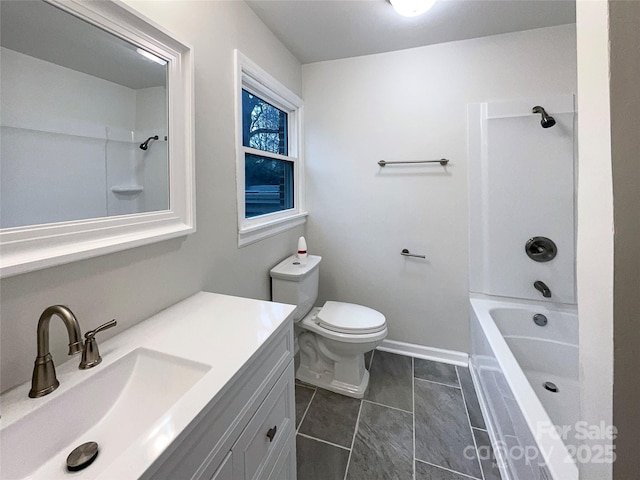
(428, 353)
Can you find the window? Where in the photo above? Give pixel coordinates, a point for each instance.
(269, 163)
(268, 181)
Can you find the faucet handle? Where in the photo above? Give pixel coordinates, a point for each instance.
(104, 326)
(90, 353)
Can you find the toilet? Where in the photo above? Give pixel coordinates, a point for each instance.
(331, 339)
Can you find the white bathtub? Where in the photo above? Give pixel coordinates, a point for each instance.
(511, 359)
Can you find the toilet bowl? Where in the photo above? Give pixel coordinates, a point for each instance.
(332, 339)
(332, 357)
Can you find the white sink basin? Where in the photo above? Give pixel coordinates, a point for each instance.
(123, 403)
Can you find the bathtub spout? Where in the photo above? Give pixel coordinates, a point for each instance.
(542, 288)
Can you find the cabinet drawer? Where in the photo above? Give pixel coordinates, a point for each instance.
(225, 471)
(266, 434)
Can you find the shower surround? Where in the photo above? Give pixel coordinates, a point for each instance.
(524, 324)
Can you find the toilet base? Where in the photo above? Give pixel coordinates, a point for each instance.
(326, 380)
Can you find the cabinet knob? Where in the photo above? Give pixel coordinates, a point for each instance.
(272, 433)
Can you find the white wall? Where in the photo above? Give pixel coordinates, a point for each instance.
(134, 284)
(411, 105)
(608, 228)
(595, 224)
(609, 231)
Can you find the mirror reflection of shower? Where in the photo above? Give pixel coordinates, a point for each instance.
(547, 120)
(60, 163)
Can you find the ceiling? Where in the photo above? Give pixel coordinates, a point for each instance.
(318, 30)
(43, 31)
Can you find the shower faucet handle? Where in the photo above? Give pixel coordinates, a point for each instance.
(90, 353)
(541, 249)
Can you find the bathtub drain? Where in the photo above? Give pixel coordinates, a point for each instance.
(540, 319)
(550, 386)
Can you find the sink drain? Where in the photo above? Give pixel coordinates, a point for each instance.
(552, 387)
(83, 456)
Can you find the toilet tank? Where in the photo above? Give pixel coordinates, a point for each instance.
(296, 284)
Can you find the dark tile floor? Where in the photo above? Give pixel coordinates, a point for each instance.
(419, 420)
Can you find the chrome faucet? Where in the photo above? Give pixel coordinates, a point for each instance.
(44, 379)
(542, 288)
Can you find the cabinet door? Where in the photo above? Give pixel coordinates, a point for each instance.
(262, 441)
(225, 470)
(285, 467)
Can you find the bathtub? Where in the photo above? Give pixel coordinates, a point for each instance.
(533, 429)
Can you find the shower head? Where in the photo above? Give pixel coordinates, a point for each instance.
(547, 120)
(145, 145)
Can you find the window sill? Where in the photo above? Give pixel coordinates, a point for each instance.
(268, 228)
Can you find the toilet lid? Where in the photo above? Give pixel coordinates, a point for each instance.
(350, 318)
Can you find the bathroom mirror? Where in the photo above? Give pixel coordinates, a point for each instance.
(96, 132)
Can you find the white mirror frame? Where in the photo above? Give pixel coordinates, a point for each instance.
(34, 247)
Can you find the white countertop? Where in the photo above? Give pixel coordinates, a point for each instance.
(220, 331)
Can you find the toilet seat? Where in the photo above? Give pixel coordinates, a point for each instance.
(349, 318)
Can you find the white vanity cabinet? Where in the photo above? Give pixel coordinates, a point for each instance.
(201, 390)
(246, 432)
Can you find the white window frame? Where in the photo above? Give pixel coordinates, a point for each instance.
(251, 77)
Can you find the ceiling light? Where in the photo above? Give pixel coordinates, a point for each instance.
(151, 56)
(412, 8)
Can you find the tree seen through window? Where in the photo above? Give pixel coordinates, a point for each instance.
(264, 126)
(268, 181)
